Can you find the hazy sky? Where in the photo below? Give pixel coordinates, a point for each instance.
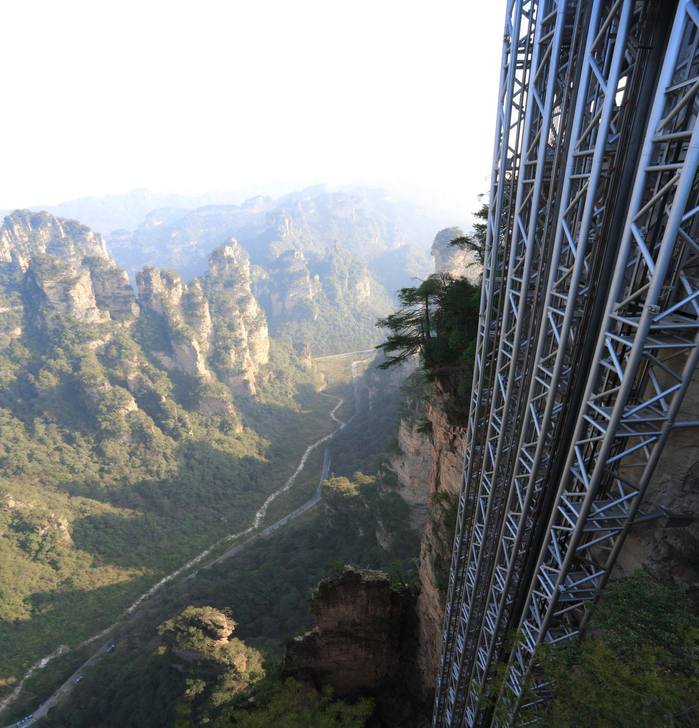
(103, 97)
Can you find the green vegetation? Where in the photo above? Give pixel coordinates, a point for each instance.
(112, 471)
(218, 667)
(638, 664)
(644, 649)
(266, 585)
(126, 449)
(286, 705)
(331, 301)
(438, 320)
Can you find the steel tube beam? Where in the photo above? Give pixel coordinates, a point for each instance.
(547, 493)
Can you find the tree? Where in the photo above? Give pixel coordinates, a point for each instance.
(475, 242)
(289, 705)
(438, 318)
(226, 665)
(638, 665)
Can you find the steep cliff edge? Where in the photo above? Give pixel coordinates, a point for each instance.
(356, 643)
(429, 462)
(214, 324)
(428, 468)
(447, 449)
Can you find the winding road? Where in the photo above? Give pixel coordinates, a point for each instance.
(72, 681)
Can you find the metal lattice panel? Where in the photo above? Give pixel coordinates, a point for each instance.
(544, 511)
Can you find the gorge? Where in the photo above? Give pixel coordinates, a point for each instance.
(140, 429)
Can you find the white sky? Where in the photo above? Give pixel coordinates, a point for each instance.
(184, 96)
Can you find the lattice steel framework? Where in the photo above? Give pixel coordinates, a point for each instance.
(588, 333)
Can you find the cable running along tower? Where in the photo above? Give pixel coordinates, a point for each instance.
(588, 332)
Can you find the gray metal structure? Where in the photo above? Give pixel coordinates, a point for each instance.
(588, 333)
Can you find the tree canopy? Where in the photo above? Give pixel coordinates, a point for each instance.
(439, 319)
(476, 241)
(637, 666)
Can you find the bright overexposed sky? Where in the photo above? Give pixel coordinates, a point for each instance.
(103, 96)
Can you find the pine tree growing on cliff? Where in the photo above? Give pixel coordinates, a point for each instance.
(438, 319)
(475, 242)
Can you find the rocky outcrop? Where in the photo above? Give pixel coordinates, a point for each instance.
(288, 284)
(240, 337)
(356, 643)
(447, 450)
(25, 234)
(428, 468)
(197, 314)
(458, 262)
(111, 288)
(161, 292)
(54, 287)
(65, 268)
(412, 467)
(214, 324)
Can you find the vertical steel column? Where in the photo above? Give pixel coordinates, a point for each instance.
(645, 356)
(516, 60)
(537, 504)
(581, 203)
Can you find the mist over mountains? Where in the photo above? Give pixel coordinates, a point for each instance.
(324, 264)
(158, 383)
(417, 213)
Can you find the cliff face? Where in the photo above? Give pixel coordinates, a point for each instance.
(215, 323)
(356, 643)
(328, 300)
(111, 288)
(428, 470)
(668, 548)
(55, 287)
(412, 463)
(64, 268)
(447, 452)
(25, 234)
(240, 338)
(288, 284)
(162, 292)
(456, 261)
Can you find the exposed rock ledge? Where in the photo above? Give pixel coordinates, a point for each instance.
(357, 640)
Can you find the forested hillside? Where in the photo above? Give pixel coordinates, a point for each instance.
(264, 588)
(140, 428)
(134, 433)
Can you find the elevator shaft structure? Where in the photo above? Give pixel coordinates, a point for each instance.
(588, 335)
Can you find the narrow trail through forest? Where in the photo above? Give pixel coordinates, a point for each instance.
(257, 520)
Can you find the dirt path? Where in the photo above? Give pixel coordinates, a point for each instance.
(347, 353)
(257, 520)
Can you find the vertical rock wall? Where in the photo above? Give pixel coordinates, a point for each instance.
(668, 547)
(357, 639)
(429, 474)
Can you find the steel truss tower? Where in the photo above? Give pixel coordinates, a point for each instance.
(588, 332)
